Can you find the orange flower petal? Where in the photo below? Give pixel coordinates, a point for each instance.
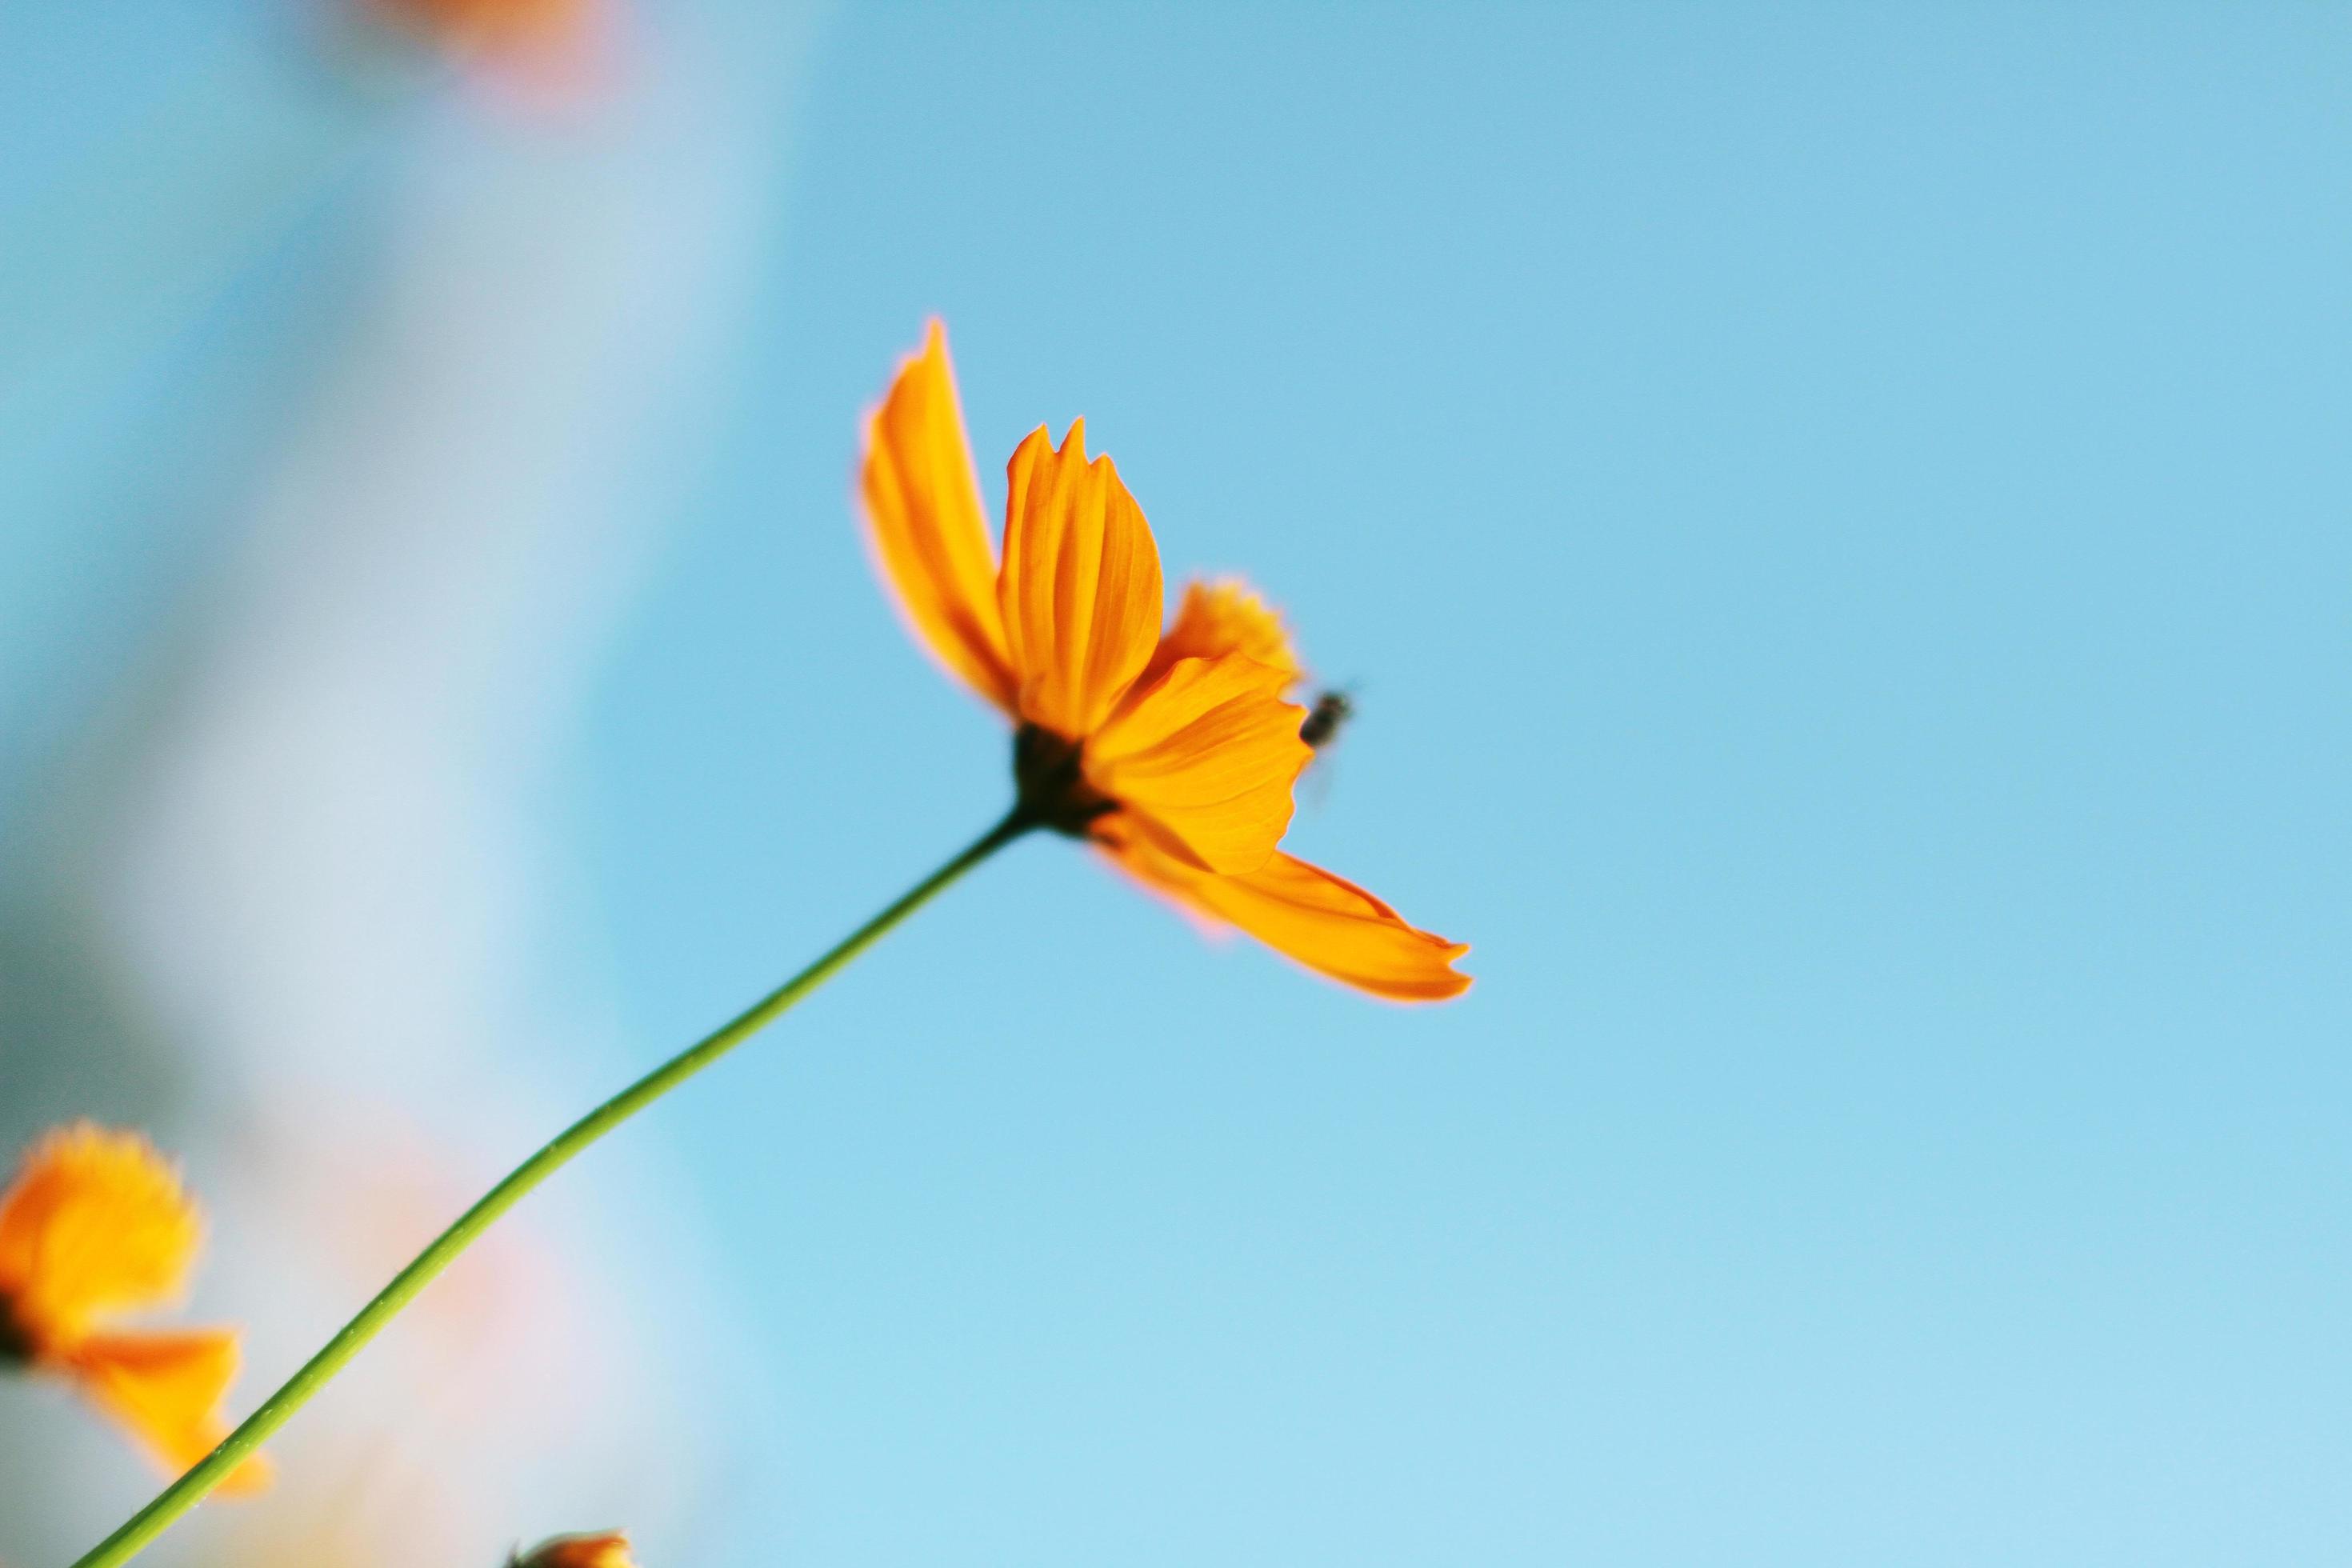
(1081, 589)
(1203, 759)
(922, 513)
(604, 1549)
(1226, 617)
(95, 1224)
(166, 1388)
(1306, 913)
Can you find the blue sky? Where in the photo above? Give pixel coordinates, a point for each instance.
(1836, 519)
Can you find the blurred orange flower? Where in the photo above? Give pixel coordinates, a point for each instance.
(532, 35)
(1174, 754)
(94, 1225)
(609, 1549)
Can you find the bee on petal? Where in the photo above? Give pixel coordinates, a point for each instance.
(94, 1225)
(1174, 751)
(602, 1549)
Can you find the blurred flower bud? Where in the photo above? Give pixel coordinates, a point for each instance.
(603, 1549)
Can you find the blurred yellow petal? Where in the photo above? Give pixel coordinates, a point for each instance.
(1203, 760)
(1321, 921)
(1226, 617)
(95, 1224)
(923, 517)
(166, 1389)
(1080, 588)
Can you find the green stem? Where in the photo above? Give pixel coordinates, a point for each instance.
(184, 1493)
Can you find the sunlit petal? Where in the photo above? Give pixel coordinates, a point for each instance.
(1321, 921)
(1223, 617)
(1080, 588)
(923, 517)
(1203, 759)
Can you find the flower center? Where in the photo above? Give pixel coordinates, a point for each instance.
(1049, 773)
(15, 1343)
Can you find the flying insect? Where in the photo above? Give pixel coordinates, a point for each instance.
(1331, 710)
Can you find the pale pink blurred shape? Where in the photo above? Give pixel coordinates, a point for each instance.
(324, 863)
(360, 1518)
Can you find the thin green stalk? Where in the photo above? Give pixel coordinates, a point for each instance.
(184, 1493)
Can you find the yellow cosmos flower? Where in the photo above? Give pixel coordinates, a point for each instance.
(608, 1549)
(94, 1225)
(1174, 752)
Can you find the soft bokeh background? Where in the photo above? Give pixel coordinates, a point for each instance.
(1837, 522)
